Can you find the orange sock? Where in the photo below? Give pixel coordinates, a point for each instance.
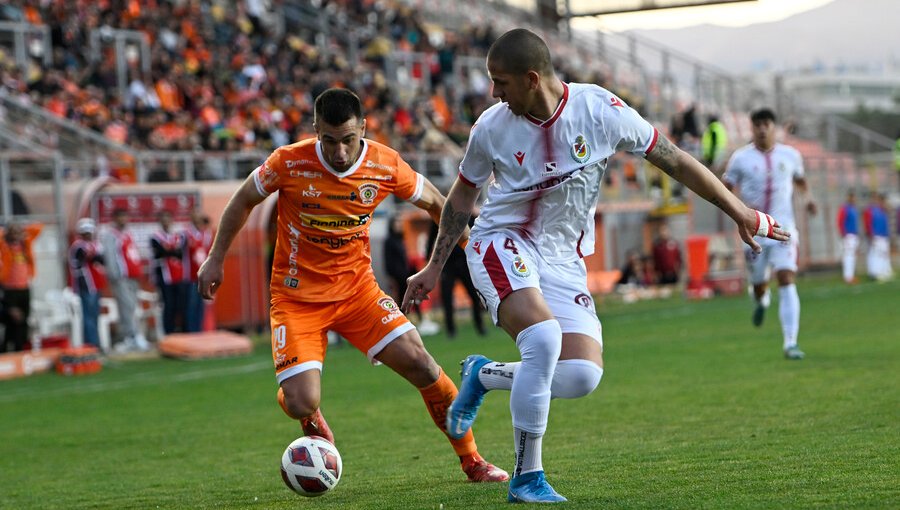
(438, 396)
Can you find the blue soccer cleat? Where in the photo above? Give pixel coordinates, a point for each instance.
(532, 488)
(461, 413)
(794, 353)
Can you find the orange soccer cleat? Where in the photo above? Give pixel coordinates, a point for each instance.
(480, 470)
(315, 425)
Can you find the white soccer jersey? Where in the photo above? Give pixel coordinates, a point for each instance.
(547, 174)
(766, 179)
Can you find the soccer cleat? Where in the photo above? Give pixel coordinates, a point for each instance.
(461, 413)
(480, 470)
(315, 425)
(794, 353)
(532, 488)
(759, 313)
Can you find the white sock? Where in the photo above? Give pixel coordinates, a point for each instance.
(765, 299)
(573, 378)
(529, 399)
(528, 452)
(789, 313)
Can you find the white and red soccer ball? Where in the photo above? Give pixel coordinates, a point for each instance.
(311, 466)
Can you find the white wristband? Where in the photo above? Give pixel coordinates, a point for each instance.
(765, 225)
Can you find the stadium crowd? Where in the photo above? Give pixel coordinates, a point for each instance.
(227, 76)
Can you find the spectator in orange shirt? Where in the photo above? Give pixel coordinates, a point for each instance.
(16, 273)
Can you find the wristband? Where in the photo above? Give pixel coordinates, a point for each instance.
(765, 225)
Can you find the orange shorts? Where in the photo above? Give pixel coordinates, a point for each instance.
(368, 320)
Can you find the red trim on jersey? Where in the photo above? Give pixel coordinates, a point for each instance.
(653, 141)
(495, 271)
(559, 109)
(578, 245)
(767, 202)
(465, 181)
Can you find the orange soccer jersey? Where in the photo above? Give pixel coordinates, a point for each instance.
(322, 251)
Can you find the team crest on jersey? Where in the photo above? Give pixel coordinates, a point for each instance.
(388, 304)
(367, 192)
(581, 151)
(520, 268)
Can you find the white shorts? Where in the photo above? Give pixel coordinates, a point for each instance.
(777, 255)
(503, 262)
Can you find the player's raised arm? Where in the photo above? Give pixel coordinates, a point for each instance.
(682, 167)
(453, 225)
(241, 203)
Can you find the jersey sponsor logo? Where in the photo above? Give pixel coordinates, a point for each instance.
(377, 177)
(334, 242)
(477, 246)
(294, 241)
(379, 166)
(391, 307)
(519, 157)
(549, 183)
(520, 268)
(585, 301)
(550, 166)
(291, 282)
(286, 363)
(307, 205)
(615, 101)
(305, 173)
(368, 191)
(312, 192)
(581, 151)
(291, 163)
(333, 223)
(351, 197)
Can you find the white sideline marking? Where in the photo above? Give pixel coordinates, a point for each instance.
(145, 379)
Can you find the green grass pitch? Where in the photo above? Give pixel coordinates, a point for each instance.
(697, 409)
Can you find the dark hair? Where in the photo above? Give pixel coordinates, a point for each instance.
(337, 106)
(119, 211)
(761, 115)
(519, 51)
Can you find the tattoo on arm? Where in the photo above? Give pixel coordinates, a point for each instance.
(665, 157)
(453, 224)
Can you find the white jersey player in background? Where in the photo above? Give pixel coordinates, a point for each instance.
(765, 173)
(546, 144)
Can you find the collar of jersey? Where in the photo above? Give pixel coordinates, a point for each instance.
(559, 108)
(349, 171)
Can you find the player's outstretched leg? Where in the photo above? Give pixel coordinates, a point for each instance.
(462, 412)
(437, 397)
(532, 488)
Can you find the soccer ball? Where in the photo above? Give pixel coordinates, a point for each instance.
(311, 466)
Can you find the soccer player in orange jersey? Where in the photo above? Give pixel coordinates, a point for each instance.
(322, 276)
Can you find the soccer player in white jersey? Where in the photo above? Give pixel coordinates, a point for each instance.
(546, 143)
(765, 174)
